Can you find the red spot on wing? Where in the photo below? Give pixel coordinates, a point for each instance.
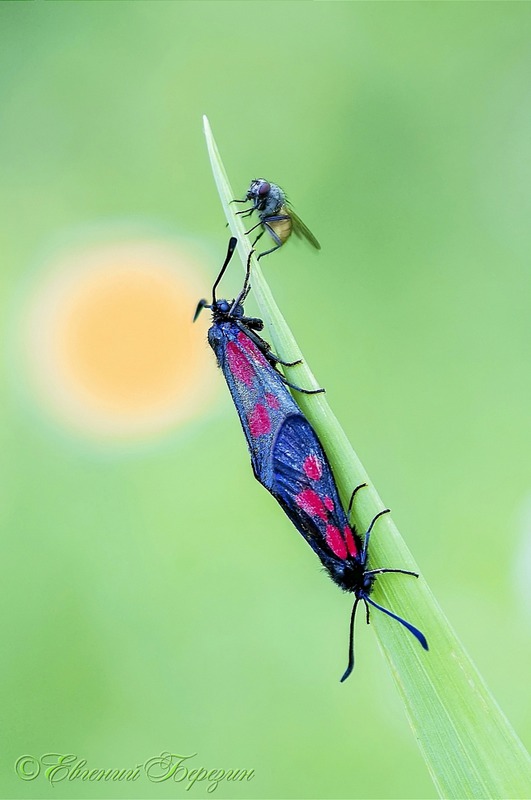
(259, 422)
(239, 364)
(251, 348)
(313, 467)
(310, 502)
(335, 541)
(329, 503)
(349, 538)
(272, 401)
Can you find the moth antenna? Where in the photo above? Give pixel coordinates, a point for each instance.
(350, 666)
(415, 631)
(230, 250)
(200, 306)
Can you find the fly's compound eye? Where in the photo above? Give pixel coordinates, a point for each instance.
(264, 188)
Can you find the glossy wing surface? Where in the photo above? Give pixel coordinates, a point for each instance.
(304, 485)
(261, 398)
(301, 230)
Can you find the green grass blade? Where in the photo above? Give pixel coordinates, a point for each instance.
(468, 744)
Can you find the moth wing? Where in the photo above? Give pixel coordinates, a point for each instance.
(304, 485)
(261, 398)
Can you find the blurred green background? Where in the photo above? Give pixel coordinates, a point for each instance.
(154, 596)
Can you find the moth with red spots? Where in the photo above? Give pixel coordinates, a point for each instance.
(286, 454)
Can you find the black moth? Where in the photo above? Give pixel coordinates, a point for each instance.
(286, 455)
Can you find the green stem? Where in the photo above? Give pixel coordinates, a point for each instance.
(468, 744)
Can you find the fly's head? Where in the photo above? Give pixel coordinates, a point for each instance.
(258, 192)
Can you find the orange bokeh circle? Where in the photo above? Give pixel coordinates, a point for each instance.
(111, 343)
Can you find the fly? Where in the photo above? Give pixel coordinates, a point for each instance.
(276, 215)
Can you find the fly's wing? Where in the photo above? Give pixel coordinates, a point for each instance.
(261, 398)
(301, 230)
(304, 485)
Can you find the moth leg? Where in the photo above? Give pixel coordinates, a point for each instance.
(353, 495)
(262, 345)
(277, 360)
(254, 323)
(299, 388)
(385, 569)
(265, 347)
(368, 534)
